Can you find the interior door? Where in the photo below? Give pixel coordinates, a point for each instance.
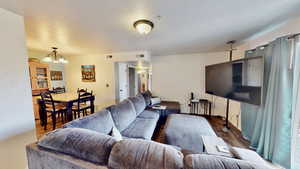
(123, 81)
(132, 81)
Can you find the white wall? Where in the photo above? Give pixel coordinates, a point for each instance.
(266, 36)
(16, 101)
(105, 74)
(52, 66)
(16, 114)
(176, 76)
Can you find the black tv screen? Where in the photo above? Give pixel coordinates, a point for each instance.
(239, 80)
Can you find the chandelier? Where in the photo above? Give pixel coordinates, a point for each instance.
(54, 57)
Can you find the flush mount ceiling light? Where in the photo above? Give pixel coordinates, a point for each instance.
(54, 57)
(143, 26)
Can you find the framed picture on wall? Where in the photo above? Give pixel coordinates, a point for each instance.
(88, 73)
(56, 75)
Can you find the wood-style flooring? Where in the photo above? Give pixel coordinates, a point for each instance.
(233, 137)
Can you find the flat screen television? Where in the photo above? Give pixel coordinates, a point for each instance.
(239, 80)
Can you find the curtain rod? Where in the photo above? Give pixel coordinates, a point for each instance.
(293, 36)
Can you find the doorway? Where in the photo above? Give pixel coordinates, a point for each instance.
(133, 83)
(131, 79)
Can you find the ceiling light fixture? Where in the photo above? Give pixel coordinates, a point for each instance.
(143, 26)
(54, 57)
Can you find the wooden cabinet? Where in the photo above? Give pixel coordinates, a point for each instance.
(35, 108)
(39, 77)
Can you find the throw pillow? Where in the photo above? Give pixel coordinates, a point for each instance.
(116, 134)
(247, 155)
(234, 152)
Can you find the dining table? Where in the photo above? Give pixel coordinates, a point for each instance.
(68, 99)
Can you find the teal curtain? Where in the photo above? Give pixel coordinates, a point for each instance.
(271, 122)
(249, 112)
(296, 109)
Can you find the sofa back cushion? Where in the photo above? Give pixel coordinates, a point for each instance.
(138, 103)
(81, 143)
(101, 122)
(123, 114)
(204, 161)
(147, 96)
(138, 154)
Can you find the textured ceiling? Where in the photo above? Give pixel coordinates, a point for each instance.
(185, 26)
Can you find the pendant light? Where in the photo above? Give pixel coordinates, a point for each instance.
(54, 57)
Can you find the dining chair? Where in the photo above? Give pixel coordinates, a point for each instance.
(59, 90)
(82, 90)
(53, 108)
(83, 103)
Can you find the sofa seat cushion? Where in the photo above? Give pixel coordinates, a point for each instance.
(101, 122)
(147, 114)
(204, 161)
(186, 131)
(141, 128)
(81, 143)
(123, 114)
(144, 154)
(139, 103)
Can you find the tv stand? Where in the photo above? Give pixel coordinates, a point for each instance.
(226, 126)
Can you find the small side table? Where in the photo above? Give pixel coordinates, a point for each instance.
(171, 107)
(210, 144)
(195, 104)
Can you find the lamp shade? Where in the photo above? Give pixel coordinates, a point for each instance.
(143, 26)
(47, 59)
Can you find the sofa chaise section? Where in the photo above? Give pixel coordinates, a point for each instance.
(186, 131)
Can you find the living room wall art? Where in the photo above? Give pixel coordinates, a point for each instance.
(88, 73)
(56, 75)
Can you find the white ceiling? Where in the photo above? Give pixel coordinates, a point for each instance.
(105, 26)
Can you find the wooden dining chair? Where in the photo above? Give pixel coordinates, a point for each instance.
(82, 90)
(53, 108)
(59, 90)
(83, 103)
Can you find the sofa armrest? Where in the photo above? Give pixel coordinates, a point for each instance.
(41, 158)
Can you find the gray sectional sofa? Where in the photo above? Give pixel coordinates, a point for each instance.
(129, 117)
(86, 144)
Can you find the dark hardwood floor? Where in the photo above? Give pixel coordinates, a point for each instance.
(233, 137)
